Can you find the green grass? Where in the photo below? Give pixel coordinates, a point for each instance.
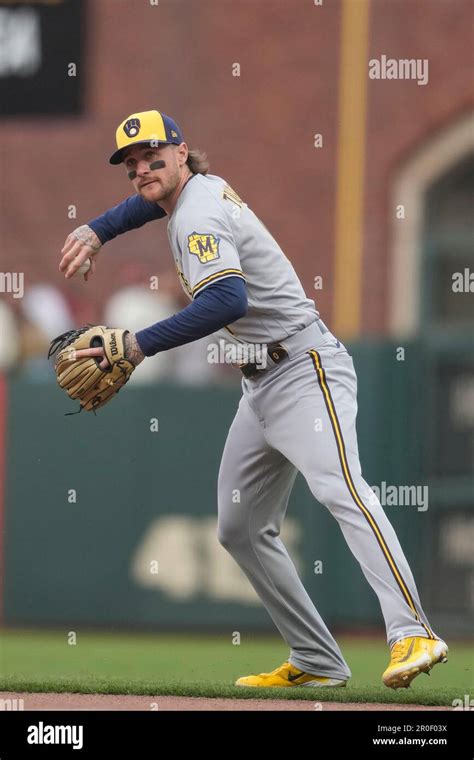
(194, 665)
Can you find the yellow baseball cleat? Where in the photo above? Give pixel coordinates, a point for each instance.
(288, 675)
(412, 656)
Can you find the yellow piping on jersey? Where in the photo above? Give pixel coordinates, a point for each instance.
(212, 277)
(350, 484)
(229, 194)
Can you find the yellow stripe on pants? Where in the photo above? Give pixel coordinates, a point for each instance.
(350, 484)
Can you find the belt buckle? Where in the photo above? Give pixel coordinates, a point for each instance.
(275, 351)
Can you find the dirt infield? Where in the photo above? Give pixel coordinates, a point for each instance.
(52, 701)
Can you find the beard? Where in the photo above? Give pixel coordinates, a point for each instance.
(160, 189)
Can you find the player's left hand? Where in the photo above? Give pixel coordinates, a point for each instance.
(96, 352)
(94, 363)
(132, 352)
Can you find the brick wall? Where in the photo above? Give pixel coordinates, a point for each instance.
(257, 128)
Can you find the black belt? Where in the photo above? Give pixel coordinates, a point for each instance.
(277, 353)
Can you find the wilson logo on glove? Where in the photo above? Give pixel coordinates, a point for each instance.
(113, 344)
(82, 377)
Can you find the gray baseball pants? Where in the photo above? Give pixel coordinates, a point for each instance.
(300, 415)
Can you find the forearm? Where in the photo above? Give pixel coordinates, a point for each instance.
(132, 213)
(217, 306)
(133, 351)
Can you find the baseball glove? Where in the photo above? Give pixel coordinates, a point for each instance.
(82, 377)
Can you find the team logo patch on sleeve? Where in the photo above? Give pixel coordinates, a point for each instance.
(204, 246)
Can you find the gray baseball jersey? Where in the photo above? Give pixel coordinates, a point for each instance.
(213, 234)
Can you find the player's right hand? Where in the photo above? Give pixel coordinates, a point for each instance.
(80, 245)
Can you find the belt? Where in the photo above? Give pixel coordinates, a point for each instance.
(287, 348)
(277, 353)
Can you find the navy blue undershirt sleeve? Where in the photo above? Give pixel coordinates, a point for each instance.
(132, 213)
(216, 306)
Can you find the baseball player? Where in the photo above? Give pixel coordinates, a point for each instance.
(298, 406)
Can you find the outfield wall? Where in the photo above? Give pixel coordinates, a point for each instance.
(111, 522)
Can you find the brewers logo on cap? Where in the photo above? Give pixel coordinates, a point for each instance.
(144, 128)
(132, 127)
